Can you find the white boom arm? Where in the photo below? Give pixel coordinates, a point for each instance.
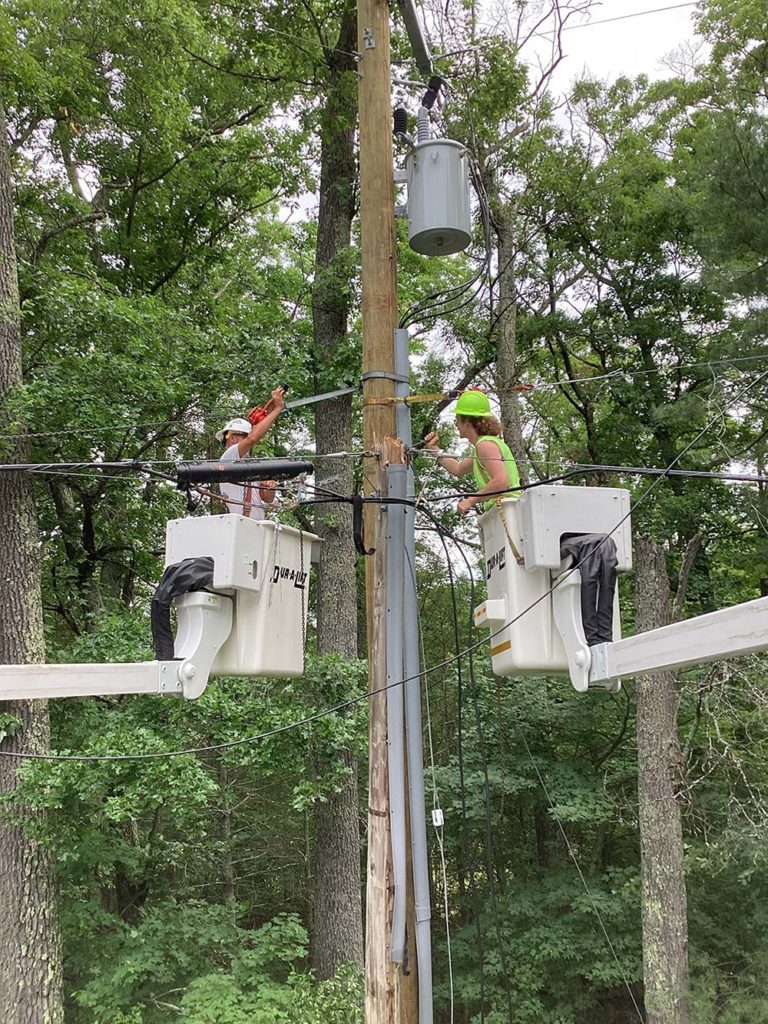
(742, 629)
(210, 623)
(27, 682)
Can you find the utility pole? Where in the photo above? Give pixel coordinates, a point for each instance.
(379, 308)
(398, 966)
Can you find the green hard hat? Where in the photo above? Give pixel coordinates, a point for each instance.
(473, 403)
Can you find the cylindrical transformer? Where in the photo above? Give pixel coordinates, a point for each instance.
(438, 197)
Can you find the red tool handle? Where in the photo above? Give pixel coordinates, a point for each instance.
(258, 413)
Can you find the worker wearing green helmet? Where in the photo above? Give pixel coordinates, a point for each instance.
(491, 463)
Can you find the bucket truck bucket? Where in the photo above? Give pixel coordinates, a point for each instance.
(533, 606)
(265, 567)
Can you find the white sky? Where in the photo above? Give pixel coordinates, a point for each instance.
(606, 48)
(647, 44)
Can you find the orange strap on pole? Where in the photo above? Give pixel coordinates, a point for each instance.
(436, 396)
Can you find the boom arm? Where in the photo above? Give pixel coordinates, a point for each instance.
(742, 629)
(210, 625)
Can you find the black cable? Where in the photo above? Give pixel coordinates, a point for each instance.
(468, 855)
(471, 288)
(454, 292)
(442, 664)
(487, 788)
(693, 474)
(551, 804)
(487, 839)
(53, 467)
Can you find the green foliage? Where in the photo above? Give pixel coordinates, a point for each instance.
(250, 992)
(156, 151)
(194, 962)
(156, 890)
(9, 725)
(724, 168)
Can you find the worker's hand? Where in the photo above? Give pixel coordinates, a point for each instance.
(268, 491)
(465, 505)
(278, 398)
(431, 441)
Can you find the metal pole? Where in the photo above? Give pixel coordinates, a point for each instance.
(413, 730)
(395, 716)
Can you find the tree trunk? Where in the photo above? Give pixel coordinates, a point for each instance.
(659, 766)
(337, 913)
(506, 339)
(30, 953)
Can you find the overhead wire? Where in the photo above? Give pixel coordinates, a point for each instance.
(569, 846)
(579, 469)
(435, 796)
(442, 664)
(467, 850)
(626, 17)
(572, 854)
(550, 802)
(691, 474)
(122, 428)
(469, 651)
(487, 838)
(617, 373)
(620, 372)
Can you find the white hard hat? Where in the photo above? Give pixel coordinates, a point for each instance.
(238, 425)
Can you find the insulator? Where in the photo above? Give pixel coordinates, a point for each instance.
(422, 122)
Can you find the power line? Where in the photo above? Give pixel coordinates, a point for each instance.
(690, 474)
(550, 802)
(625, 17)
(619, 372)
(615, 374)
(488, 834)
(462, 787)
(572, 855)
(122, 428)
(442, 664)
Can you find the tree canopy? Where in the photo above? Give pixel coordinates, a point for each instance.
(173, 166)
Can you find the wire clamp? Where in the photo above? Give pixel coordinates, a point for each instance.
(398, 378)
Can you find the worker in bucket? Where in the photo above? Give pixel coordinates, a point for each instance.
(491, 462)
(240, 436)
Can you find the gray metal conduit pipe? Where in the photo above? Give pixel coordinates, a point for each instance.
(413, 728)
(395, 714)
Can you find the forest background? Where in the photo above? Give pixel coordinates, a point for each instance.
(156, 163)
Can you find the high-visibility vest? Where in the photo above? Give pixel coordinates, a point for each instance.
(482, 476)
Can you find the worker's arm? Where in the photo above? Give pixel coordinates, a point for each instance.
(268, 491)
(498, 484)
(456, 467)
(261, 429)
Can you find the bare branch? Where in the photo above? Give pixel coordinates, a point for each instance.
(692, 549)
(51, 233)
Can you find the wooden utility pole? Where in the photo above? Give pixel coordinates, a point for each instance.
(379, 306)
